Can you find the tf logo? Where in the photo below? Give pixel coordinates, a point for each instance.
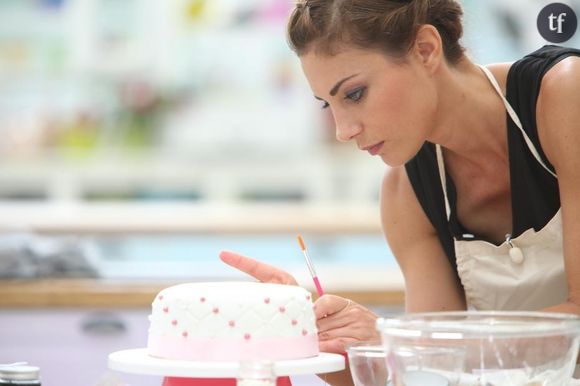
(557, 22)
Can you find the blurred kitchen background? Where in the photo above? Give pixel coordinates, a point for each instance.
(138, 138)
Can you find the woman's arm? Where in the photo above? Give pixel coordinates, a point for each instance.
(558, 121)
(430, 280)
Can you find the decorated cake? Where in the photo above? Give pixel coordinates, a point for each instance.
(229, 321)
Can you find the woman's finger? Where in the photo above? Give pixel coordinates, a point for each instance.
(327, 305)
(358, 332)
(332, 323)
(261, 271)
(346, 332)
(337, 346)
(337, 320)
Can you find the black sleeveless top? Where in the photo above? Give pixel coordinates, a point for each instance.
(534, 191)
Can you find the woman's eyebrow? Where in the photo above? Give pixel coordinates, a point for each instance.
(334, 90)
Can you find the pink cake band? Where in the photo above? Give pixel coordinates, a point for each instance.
(196, 349)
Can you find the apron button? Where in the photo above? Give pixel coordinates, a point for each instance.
(516, 255)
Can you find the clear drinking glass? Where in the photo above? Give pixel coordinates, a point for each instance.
(367, 363)
(481, 348)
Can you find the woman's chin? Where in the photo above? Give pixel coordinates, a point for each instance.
(399, 157)
(392, 161)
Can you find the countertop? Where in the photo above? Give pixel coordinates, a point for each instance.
(87, 293)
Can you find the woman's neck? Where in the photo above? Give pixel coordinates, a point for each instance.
(471, 118)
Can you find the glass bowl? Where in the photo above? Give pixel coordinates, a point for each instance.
(481, 348)
(367, 363)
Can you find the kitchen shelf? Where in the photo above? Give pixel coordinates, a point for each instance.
(188, 218)
(339, 175)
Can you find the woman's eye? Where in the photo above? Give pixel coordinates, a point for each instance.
(325, 105)
(356, 95)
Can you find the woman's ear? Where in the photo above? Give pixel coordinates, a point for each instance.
(429, 47)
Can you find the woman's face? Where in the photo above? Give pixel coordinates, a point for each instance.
(387, 107)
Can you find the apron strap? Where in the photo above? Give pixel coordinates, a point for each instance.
(443, 178)
(514, 117)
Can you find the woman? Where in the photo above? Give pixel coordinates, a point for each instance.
(480, 206)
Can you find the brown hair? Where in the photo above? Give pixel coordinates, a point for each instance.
(388, 25)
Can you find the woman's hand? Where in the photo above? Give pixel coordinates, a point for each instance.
(261, 271)
(341, 321)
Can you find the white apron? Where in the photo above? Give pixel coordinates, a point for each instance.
(523, 273)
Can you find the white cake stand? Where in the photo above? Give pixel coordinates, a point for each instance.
(137, 361)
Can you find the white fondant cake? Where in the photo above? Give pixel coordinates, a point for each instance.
(231, 321)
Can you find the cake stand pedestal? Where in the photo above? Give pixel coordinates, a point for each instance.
(137, 361)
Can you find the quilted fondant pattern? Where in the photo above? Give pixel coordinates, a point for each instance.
(233, 310)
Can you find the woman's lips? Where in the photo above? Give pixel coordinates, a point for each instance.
(374, 149)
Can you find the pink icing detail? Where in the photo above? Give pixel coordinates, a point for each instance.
(294, 322)
(232, 323)
(304, 332)
(160, 297)
(282, 309)
(173, 347)
(267, 300)
(184, 334)
(166, 309)
(247, 336)
(174, 322)
(202, 299)
(215, 310)
(307, 297)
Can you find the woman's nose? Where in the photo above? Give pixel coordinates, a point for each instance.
(346, 131)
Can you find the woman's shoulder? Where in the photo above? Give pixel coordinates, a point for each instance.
(560, 85)
(396, 191)
(529, 71)
(565, 75)
(557, 107)
(394, 181)
(401, 213)
(559, 89)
